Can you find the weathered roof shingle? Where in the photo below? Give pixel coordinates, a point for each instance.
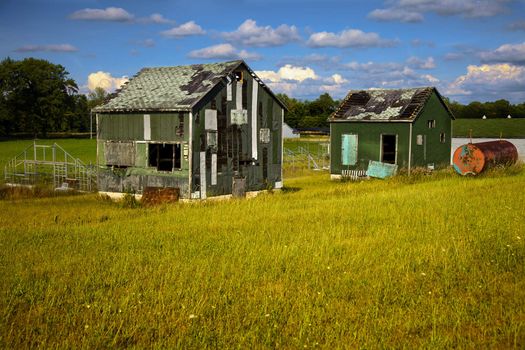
(168, 88)
(384, 105)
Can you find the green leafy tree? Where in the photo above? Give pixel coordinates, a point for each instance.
(97, 97)
(36, 96)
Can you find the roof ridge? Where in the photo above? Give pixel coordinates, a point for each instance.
(193, 64)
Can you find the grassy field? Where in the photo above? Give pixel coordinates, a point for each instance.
(428, 262)
(509, 128)
(85, 149)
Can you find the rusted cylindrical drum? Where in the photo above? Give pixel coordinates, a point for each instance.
(473, 158)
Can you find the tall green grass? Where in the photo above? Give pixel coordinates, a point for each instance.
(437, 262)
(507, 128)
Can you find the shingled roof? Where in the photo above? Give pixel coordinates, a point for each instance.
(385, 105)
(178, 88)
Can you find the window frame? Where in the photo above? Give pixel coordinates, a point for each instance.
(176, 148)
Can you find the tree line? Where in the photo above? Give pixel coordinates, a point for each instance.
(492, 110)
(38, 97)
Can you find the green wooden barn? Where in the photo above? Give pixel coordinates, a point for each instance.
(406, 127)
(205, 129)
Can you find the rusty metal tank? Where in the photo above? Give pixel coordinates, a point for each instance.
(473, 158)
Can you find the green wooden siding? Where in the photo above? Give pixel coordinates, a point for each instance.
(433, 152)
(368, 143)
(270, 116)
(369, 140)
(121, 127)
(130, 127)
(165, 127)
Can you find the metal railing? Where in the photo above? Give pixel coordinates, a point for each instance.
(50, 165)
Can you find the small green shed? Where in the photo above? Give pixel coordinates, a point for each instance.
(406, 127)
(205, 129)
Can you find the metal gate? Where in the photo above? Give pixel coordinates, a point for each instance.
(50, 165)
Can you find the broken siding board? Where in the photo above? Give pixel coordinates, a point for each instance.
(210, 119)
(203, 174)
(213, 180)
(381, 170)
(141, 154)
(147, 127)
(229, 89)
(255, 94)
(238, 95)
(119, 153)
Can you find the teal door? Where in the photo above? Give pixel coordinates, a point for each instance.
(349, 149)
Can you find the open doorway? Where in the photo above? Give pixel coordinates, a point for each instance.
(389, 149)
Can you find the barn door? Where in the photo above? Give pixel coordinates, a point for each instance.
(349, 149)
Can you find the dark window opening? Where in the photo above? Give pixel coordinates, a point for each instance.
(431, 123)
(238, 76)
(389, 144)
(442, 137)
(213, 104)
(164, 157)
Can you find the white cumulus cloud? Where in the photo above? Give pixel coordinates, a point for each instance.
(303, 81)
(338, 79)
(105, 81)
(186, 29)
(508, 53)
(115, 14)
(491, 81)
(250, 34)
(223, 51)
(349, 38)
(288, 72)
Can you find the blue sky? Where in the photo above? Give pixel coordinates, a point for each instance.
(470, 50)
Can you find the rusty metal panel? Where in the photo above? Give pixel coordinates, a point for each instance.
(473, 158)
(119, 153)
(158, 195)
(381, 170)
